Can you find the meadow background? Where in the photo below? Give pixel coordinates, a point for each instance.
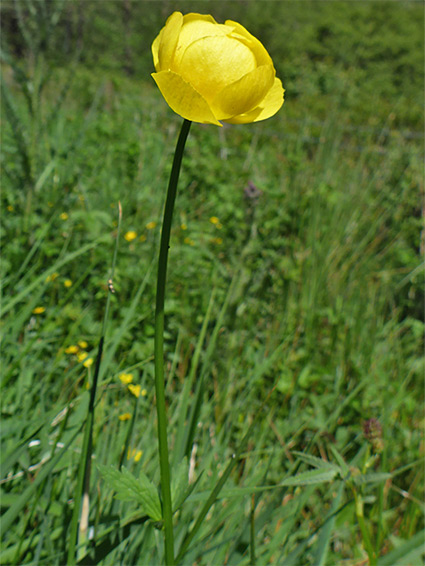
(294, 296)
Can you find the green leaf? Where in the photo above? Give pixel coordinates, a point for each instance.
(179, 484)
(372, 478)
(321, 549)
(345, 470)
(316, 462)
(309, 478)
(129, 488)
(408, 553)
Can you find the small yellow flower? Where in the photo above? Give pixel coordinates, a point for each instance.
(150, 225)
(214, 220)
(52, 277)
(82, 356)
(10, 208)
(82, 343)
(126, 378)
(130, 235)
(64, 216)
(71, 349)
(135, 389)
(143, 393)
(217, 241)
(88, 363)
(142, 238)
(189, 241)
(124, 417)
(39, 310)
(67, 283)
(183, 226)
(136, 454)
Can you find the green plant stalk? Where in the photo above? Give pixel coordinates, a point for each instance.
(252, 532)
(363, 528)
(159, 346)
(83, 479)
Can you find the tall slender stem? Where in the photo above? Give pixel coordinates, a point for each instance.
(159, 346)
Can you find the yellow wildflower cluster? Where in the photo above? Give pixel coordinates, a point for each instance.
(125, 378)
(132, 234)
(135, 454)
(136, 390)
(52, 277)
(216, 221)
(81, 355)
(124, 417)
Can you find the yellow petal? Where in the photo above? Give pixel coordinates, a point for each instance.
(168, 42)
(260, 52)
(245, 94)
(183, 98)
(155, 49)
(197, 26)
(267, 107)
(211, 63)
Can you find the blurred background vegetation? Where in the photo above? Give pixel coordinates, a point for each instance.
(303, 233)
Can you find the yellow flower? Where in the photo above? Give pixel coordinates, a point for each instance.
(135, 389)
(142, 238)
(126, 378)
(143, 393)
(150, 225)
(82, 343)
(71, 349)
(10, 208)
(124, 417)
(130, 235)
(39, 310)
(64, 216)
(209, 72)
(136, 454)
(52, 277)
(214, 220)
(183, 226)
(217, 241)
(82, 356)
(88, 363)
(189, 241)
(67, 283)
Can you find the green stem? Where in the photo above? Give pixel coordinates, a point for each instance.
(83, 478)
(159, 346)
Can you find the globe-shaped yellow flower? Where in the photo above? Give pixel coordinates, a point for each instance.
(209, 72)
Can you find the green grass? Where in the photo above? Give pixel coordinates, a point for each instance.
(298, 313)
